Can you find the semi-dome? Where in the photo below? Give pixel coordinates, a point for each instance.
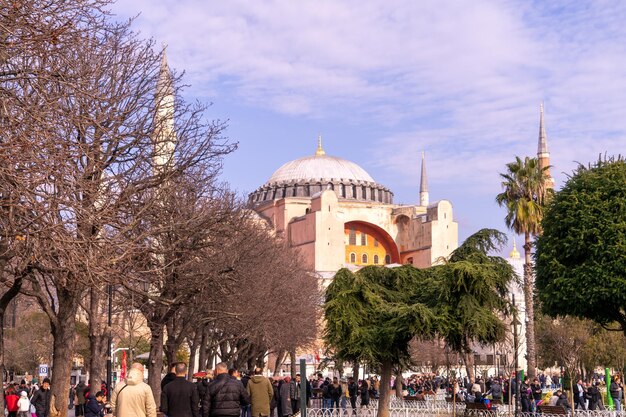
(304, 177)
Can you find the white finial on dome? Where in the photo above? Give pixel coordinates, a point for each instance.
(320, 150)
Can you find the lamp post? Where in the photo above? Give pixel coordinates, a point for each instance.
(516, 323)
(109, 351)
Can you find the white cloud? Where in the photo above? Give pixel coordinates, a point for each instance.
(461, 79)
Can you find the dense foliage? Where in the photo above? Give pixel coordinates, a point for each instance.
(581, 257)
(373, 314)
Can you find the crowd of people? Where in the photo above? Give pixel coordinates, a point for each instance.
(228, 393)
(539, 391)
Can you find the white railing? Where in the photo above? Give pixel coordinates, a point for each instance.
(444, 409)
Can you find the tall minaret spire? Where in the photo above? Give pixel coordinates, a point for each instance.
(423, 184)
(543, 155)
(164, 136)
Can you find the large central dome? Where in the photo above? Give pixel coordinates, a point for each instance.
(320, 167)
(305, 177)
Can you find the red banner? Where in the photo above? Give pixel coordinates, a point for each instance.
(123, 370)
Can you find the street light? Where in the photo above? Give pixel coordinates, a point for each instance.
(516, 323)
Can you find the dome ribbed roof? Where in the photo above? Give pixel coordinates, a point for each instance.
(319, 167)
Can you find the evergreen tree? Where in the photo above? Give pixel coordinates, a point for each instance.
(581, 256)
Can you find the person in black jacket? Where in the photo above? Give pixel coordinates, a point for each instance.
(94, 407)
(169, 377)
(225, 395)
(180, 397)
(41, 399)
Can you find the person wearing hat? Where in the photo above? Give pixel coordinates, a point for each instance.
(345, 394)
(41, 399)
(23, 405)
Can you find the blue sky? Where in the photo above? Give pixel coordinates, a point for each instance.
(384, 80)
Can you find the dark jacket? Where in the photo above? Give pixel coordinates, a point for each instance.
(496, 390)
(224, 398)
(41, 401)
(93, 408)
(167, 379)
(180, 399)
(563, 401)
(80, 391)
(615, 390)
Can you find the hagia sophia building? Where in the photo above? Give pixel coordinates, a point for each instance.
(338, 216)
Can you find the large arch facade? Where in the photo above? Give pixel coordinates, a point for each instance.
(368, 244)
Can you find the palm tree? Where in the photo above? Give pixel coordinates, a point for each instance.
(525, 195)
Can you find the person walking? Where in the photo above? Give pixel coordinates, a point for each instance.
(41, 399)
(180, 397)
(352, 392)
(79, 402)
(23, 405)
(616, 390)
(294, 394)
(285, 398)
(335, 394)
(261, 393)
(225, 395)
(11, 401)
(135, 398)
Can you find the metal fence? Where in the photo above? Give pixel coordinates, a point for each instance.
(401, 408)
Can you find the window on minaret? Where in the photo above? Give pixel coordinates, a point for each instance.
(363, 239)
(375, 259)
(364, 258)
(352, 238)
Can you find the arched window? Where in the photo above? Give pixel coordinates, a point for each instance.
(352, 238)
(364, 258)
(353, 258)
(375, 259)
(363, 239)
(387, 259)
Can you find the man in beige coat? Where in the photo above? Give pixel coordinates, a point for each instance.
(261, 393)
(134, 399)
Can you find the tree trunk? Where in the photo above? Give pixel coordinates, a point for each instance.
(98, 338)
(7, 297)
(399, 381)
(386, 369)
(193, 349)
(292, 358)
(64, 334)
(468, 358)
(355, 370)
(531, 356)
(202, 355)
(280, 355)
(155, 360)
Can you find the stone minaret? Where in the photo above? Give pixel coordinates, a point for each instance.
(542, 149)
(423, 184)
(164, 136)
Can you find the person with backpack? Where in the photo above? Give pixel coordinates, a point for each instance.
(94, 407)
